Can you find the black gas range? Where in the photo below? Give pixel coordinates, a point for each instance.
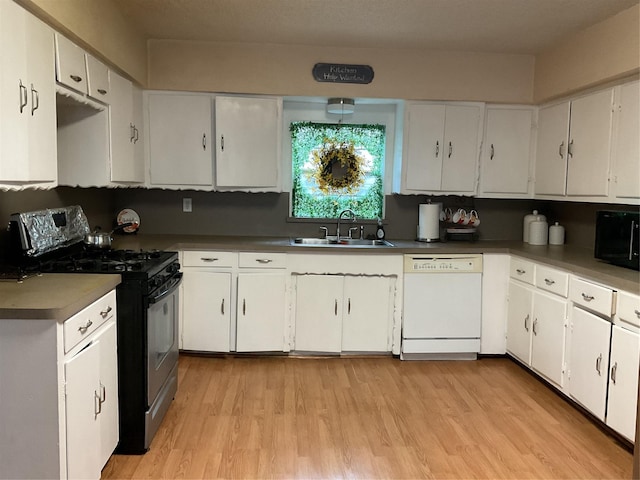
(51, 241)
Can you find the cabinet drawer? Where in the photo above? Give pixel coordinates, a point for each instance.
(97, 79)
(70, 65)
(88, 320)
(552, 280)
(522, 270)
(594, 297)
(629, 308)
(262, 260)
(207, 258)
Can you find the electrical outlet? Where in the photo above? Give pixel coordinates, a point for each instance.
(187, 205)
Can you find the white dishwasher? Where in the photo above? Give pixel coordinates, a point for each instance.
(442, 307)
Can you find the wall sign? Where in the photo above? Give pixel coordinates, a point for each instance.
(342, 73)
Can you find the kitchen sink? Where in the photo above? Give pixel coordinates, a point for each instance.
(343, 242)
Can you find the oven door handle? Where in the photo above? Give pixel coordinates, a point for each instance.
(172, 286)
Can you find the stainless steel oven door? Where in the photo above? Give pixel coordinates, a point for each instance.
(162, 337)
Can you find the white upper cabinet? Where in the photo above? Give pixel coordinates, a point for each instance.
(125, 134)
(506, 152)
(98, 84)
(626, 163)
(441, 144)
(27, 100)
(573, 147)
(248, 132)
(71, 69)
(180, 146)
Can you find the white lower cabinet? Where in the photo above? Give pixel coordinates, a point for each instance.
(206, 310)
(589, 360)
(92, 405)
(261, 312)
(548, 330)
(519, 321)
(623, 381)
(343, 313)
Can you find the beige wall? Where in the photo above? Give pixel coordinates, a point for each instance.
(602, 53)
(286, 70)
(99, 27)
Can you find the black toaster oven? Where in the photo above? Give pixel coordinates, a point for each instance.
(618, 238)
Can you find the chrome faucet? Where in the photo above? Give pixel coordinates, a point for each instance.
(342, 213)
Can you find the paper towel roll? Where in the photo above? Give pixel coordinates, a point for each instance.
(429, 222)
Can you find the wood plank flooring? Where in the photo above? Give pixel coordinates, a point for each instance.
(369, 418)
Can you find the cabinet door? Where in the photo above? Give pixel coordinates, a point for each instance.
(206, 310)
(519, 321)
(180, 140)
(506, 152)
(589, 144)
(460, 160)
(319, 313)
(547, 344)
(261, 312)
(551, 151)
(247, 141)
(98, 84)
(108, 418)
(82, 412)
(367, 310)
(627, 143)
(424, 137)
(71, 69)
(623, 381)
(124, 168)
(589, 360)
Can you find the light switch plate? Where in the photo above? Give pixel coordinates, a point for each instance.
(187, 205)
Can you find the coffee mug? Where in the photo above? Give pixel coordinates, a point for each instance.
(446, 215)
(473, 218)
(459, 216)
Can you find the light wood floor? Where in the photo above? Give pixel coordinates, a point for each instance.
(370, 418)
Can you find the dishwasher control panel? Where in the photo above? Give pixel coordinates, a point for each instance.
(454, 263)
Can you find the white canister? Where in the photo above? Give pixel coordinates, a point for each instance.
(531, 217)
(556, 234)
(538, 231)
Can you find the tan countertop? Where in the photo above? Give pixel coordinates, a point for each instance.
(574, 259)
(53, 296)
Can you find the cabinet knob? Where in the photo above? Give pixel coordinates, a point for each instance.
(587, 298)
(106, 312)
(102, 91)
(85, 327)
(76, 78)
(548, 281)
(519, 271)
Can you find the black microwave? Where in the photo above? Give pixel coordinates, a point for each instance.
(618, 238)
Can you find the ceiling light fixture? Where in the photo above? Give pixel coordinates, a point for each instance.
(340, 106)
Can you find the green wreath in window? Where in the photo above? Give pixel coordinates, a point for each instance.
(337, 168)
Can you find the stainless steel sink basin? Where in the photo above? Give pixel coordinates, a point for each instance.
(343, 242)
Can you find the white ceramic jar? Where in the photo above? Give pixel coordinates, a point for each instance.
(538, 231)
(531, 217)
(556, 234)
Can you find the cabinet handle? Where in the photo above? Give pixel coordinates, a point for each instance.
(519, 271)
(132, 133)
(204, 141)
(570, 149)
(450, 149)
(349, 306)
(587, 298)
(97, 404)
(244, 306)
(23, 96)
(76, 78)
(35, 100)
(106, 312)
(614, 370)
(335, 307)
(493, 151)
(264, 260)
(535, 323)
(560, 150)
(598, 364)
(222, 307)
(437, 148)
(102, 91)
(103, 393)
(637, 312)
(222, 143)
(85, 327)
(548, 281)
(208, 259)
(136, 134)
(526, 319)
